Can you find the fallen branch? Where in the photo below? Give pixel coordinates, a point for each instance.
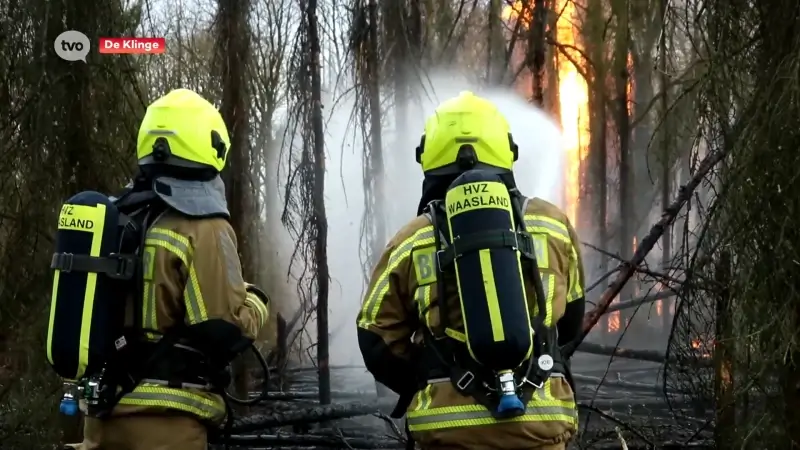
(586, 381)
(309, 415)
(627, 269)
(607, 350)
(641, 355)
(635, 302)
(310, 395)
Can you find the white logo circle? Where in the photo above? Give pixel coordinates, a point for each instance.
(545, 362)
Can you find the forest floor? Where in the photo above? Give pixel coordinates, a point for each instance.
(630, 402)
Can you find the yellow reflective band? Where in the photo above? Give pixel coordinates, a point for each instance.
(149, 317)
(549, 284)
(53, 302)
(492, 302)
(258, 306)
(546, 225)
(369, 311)
(575, 287)
(423, 298)
(477, 195)
(99, 216)
(203, 405)
(457, 335)
(180, 247)
(476, 415)
(423, 398)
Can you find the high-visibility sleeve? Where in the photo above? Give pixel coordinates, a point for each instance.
(575, 273)
(569, 325)
(215, 273)
(385, 322)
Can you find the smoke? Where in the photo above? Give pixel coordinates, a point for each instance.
(538, 173)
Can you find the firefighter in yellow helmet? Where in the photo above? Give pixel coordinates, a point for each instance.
(451, 400)
(193, 311)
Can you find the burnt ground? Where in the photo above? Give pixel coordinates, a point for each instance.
(630, 399)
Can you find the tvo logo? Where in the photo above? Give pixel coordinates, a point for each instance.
(72, 45)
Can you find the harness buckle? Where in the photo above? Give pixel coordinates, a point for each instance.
(63, 262)
(439, 254)
(465, 380)
(125, 267)
(536, 386)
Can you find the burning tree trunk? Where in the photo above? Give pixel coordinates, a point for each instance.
(536, 50)
(626, 178)
(233, 53)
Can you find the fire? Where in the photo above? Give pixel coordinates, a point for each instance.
(573, 93)
(573, 96)
(702, 348)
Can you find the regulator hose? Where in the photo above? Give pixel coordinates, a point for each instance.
(262, 396)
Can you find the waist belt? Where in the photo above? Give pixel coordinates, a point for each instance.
(181, 366)
(469, 378)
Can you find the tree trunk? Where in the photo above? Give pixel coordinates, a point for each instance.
(598, 155)
(375, 210)
(724, 396)
(626, 176)
(233, 47)
(666, 160)
(536, 51)
(320, 219)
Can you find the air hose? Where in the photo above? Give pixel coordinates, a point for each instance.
(262, 396)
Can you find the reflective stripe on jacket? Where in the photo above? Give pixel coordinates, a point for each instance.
(398, 303)
(191, 274)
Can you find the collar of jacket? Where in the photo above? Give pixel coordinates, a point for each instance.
(193, 198)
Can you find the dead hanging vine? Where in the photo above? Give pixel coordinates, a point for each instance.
(304, 209)
(364, 55)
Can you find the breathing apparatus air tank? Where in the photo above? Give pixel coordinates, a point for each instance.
(494, 307)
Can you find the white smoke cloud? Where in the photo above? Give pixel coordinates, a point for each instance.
(539, 172)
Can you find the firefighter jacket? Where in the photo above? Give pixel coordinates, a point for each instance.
(399, 302)
(192, 274)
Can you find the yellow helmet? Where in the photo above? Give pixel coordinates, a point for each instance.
(466, 132)
(183, 129)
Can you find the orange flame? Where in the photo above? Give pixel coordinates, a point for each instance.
(573, 96)
(573, 93)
